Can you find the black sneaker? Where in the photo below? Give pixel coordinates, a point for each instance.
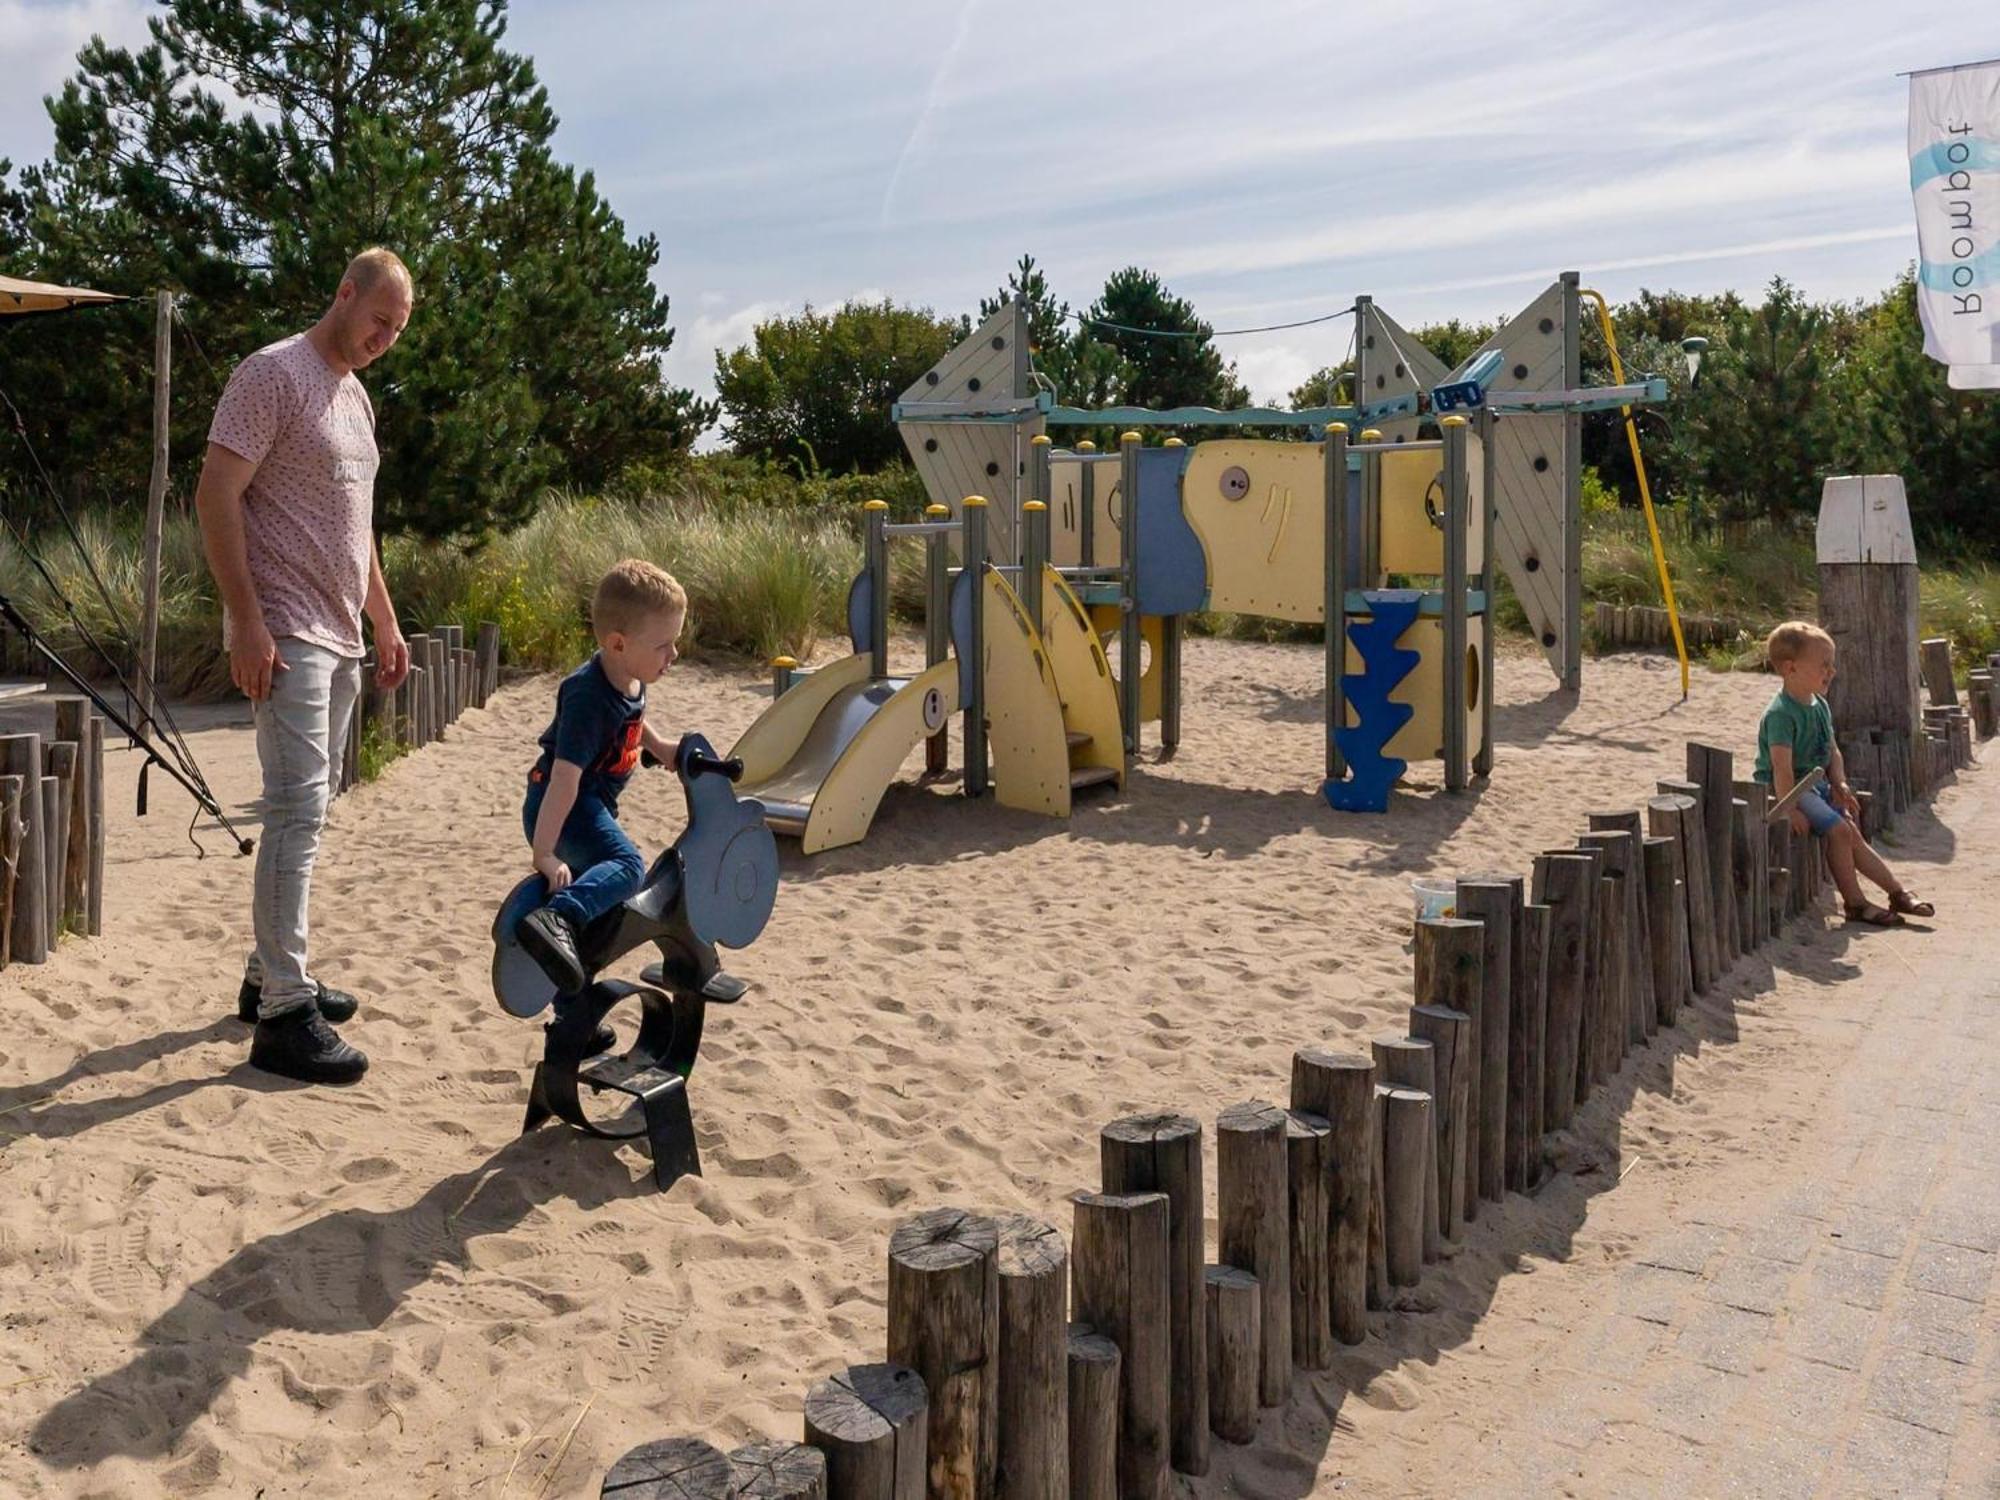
(336, 1005)
(300, 1044)
(547, 937)
(601, 1040)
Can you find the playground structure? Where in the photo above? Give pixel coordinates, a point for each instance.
(716, 884)
(1351, 518)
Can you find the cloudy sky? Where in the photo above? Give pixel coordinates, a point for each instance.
(1271, 160)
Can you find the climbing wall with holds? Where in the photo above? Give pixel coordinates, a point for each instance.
(1534, 465)
(1390, 362)
(1371, 772)
(957, 454)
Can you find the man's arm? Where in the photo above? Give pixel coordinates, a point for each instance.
(392, 652)
(218, 504)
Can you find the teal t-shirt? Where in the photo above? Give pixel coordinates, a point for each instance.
(1806, 727)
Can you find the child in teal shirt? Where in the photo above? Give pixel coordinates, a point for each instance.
(1796, 738)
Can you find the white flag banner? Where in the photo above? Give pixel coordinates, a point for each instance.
(1955, 179)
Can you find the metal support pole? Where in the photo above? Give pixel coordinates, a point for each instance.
(876, 513)
(1170, 670)
(1034, 554)
(782, 668)
(1457, 509)
(1086, 489)
(1489, 531)
(973, 513)
(1335, 454)
(1128, 590)
(937, 622)
(1572, 520)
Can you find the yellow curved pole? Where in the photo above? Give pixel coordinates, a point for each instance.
(1645, 490)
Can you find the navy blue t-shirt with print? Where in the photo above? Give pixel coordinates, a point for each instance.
(596, 727)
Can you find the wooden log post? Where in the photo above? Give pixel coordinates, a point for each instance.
(1979, 695)
(1410, 1062)
(671, 1469)
(1406, 1135)
(62, 769)
(1590, 1017)
(869, 1421)
(1934, 656)
(95, 755)
(488, 651)
(1234, 1303)
(21, 755)
(1340, 1088)
(1162, 1153)
(439, 680)
(1495, 905)
(73, 720)
(944, 1323)
(1309, 1170)
(1119, 1285)
(1677, 815)
(1563, 884)
(1449, 1033)
(1714, 771)
(1094, 1364)
(454, 663)
(1253, 1228)
(1639, 987)
(1628, 983)
(1033, 1461)
(1451, 975)
(1525, 1054)
(420, 661)
(1662, 930)
(1779, 838)
(1378, 1225)
(1868, 602)
(768, 1470)
(1754, 851)
(11, 831)
(1609, 1032)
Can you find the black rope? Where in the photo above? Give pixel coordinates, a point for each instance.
(1213, 333)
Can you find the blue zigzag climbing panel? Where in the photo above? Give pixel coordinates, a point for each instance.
(1384, 664)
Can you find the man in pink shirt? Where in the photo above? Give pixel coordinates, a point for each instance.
(286, 502)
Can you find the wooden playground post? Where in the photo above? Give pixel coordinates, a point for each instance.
(1340, 1088)
(156, 501)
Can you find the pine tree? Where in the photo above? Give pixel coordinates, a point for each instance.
(1172, 359)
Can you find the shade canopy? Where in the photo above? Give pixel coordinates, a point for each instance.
(19, 298)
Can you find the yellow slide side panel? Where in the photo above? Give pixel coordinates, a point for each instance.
(1410, 542)
(1083, 678)
(767, 745)
(1259, 508)
(1024, 722)
(1423, 737)
(1104, 619)
(845, 803)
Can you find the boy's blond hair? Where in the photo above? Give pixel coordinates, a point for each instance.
(1789, 641)
(633, 592)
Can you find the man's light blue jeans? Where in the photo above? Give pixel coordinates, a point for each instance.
(301, 738)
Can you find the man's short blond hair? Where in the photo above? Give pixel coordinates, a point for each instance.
(1789, 641)
(376, 265)
(633, 592)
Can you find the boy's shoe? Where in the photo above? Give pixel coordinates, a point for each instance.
(547, 937)
(601, 1040)
(336, 1005)
(300, 1044)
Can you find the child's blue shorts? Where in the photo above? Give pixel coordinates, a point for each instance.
(1820, 814)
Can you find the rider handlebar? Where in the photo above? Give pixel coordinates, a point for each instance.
(699, 764)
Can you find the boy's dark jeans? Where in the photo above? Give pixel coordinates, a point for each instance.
(605, 866)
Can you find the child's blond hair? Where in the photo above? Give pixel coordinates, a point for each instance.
(632, 592)
(1789, 641)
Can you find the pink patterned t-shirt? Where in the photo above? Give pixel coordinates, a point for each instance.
(309, 512)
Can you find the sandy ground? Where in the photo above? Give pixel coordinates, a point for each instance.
(214, 1283)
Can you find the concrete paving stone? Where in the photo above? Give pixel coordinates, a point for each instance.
(1618, 1344)
(1797, 1395)
(1849, 1276)
(1642, 1464)
(1891, 1191)
(1689, 1401)
(1951, 1270)
(1919, 1126)
(1784, 1237)
(1829, 1332)
(1809, 1200)
(1750, 1282)
(1886, 1457)
(1975, 1228)
(1771, 1466)
(1970, 1188)
(1919, 1389)
(1869, 1230)
(1930, 1323)
(1574, 1416)
(1654, 1294)
(1726, 1338)
(1689, 1249)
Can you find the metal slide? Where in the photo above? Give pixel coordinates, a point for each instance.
(788, 796)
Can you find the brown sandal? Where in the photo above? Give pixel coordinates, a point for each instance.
(1903, 903)
(1874, 916)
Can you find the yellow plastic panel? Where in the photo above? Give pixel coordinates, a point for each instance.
(1410, 542)
(1104, 619)
(845, 803)
(1259, 508)
(768, 744)
(1423, 737)
(1024, 721)
(1066, 512)
(1083, 678)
